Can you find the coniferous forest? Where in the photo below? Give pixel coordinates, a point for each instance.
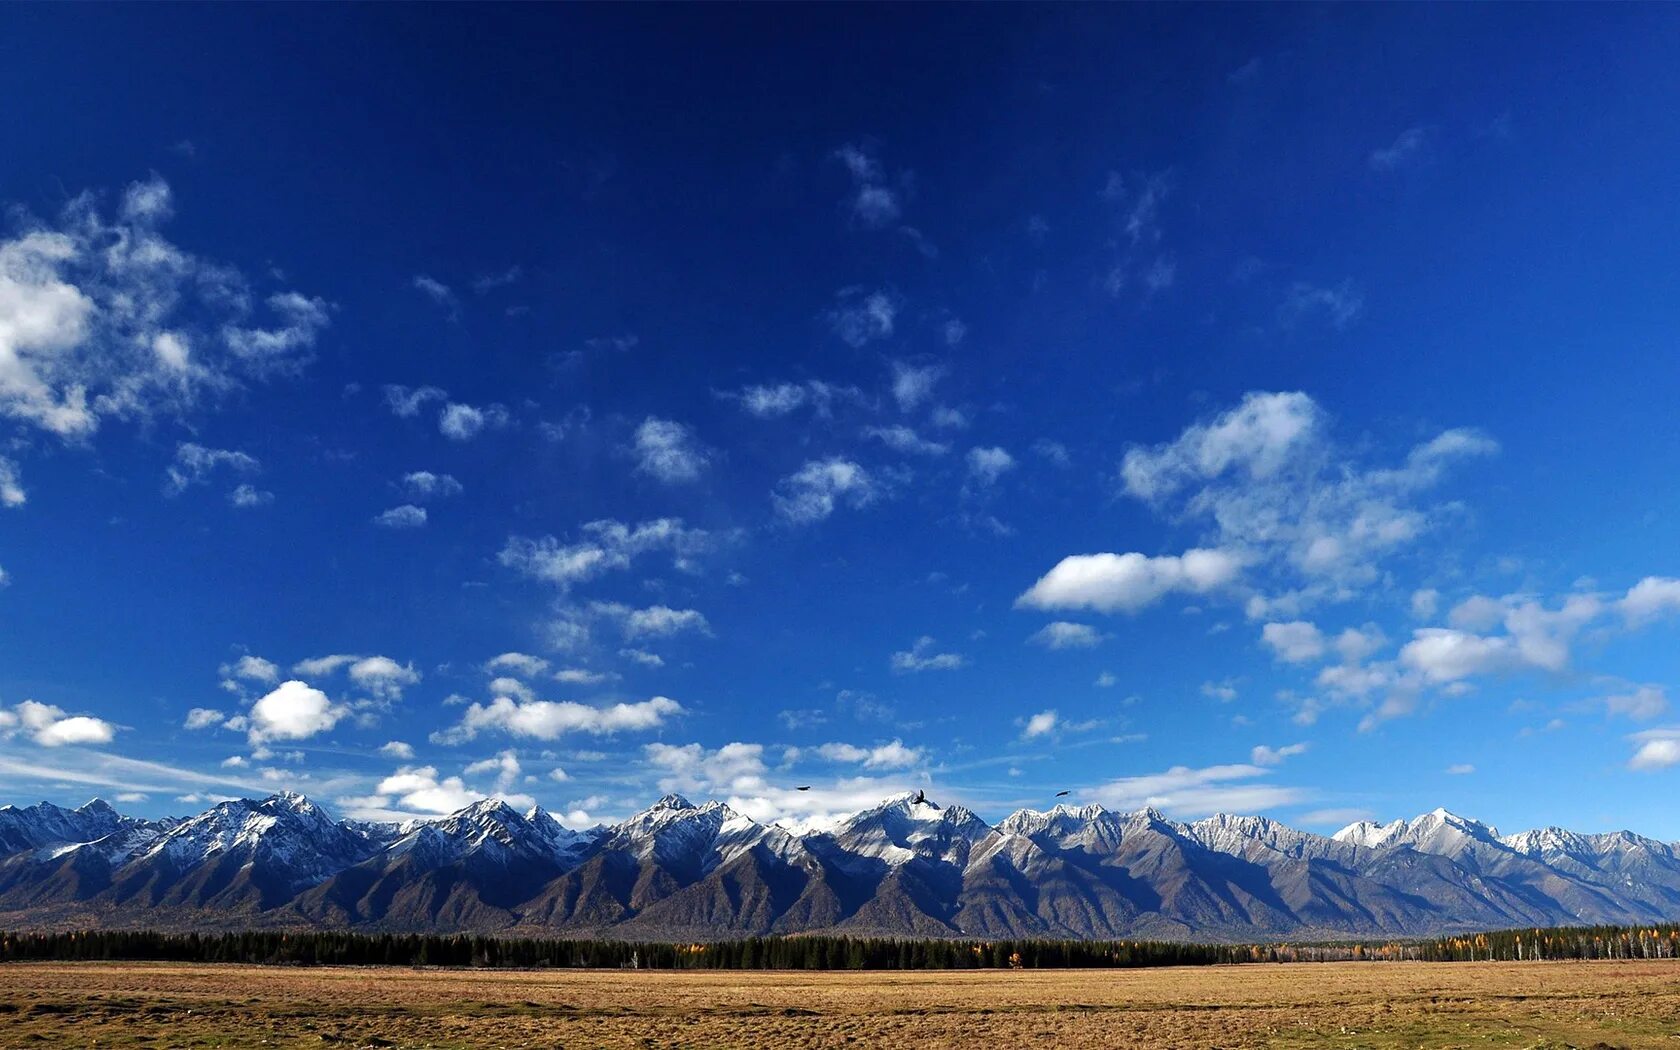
(316, 948)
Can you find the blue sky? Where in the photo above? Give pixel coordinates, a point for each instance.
(1247, 409)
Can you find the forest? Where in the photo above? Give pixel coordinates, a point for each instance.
(318, 948)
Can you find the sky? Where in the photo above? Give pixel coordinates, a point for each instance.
(1247, 409)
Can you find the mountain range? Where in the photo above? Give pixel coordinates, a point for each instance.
(904, 867)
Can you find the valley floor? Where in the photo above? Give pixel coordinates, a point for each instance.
(1376, 1005)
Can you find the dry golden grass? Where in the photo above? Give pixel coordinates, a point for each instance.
(1631, 1004)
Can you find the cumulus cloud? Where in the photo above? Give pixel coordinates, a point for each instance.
(814, 491)
(903, 439)
(1041, 724)
(922, 656)
(1650, 598)
(407, 516)
(11, 485)
(1129, 582)
(406, 402)
(203, 718)
(50, 726)
(874, 204)
(656, 621)
(522, 664)
(194, 464)
(913, 384)
(1268, 479)
(397, 749)
(1641, 705)
(893, 755)
(1295, 642)
(1275, 756)
(860, 317)
(1406, 147)
(667, 451)
(550, 720)
(294, 710)
(423, 485)
(106, 318)
(605, 545)
(1062, 634)
(463, 422)
(1658, 749)
(987, 465)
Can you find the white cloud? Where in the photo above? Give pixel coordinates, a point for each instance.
(423, 485)
(922, 657)
(581, 676)
(108, 319)
(194, 464)
(522, 664)
(1262, 755)
(294, 710)
(860, 318)
(383, 677)
(913, 384)
(1641, 705)
(1186, 792)
(1407, 146)
(643, 657)
(203, 718)
(734, 767)
(987, 465)
(398, 750)
(438, 292)
(245, 496)
(1129, 582)
(902, 439)
(606, 545)
(874, 204)
(1061, 634)
(51, 726)
(252, 668)
(505, 765)
(550, 720)
(462, 422)
(1268, 479)
(1106, 680)
(407, 516)
(417, 790)
(667, 451)
(659, 621)
(1040, 724)
(1460, 769)
(1650, 598)
(1658, 749)
(11, 485)
(814, 491)
(770, 402)
(1338, 306)
(893, 755)
(406, 402)
(1424, 603)
(1296, 642)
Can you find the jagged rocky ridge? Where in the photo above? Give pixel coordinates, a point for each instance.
(682, 871)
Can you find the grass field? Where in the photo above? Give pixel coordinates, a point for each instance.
(1580, 1004)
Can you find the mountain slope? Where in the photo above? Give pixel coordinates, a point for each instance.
(905, 867)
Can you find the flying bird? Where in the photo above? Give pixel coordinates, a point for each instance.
(1059, 794)
(919, 799)
(803, 787)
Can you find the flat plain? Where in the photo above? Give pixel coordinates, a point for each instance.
(1377, 1005)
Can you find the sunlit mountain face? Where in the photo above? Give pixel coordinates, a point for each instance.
(905, 866)
(1103, 420)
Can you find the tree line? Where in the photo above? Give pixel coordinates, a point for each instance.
(813, 952)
